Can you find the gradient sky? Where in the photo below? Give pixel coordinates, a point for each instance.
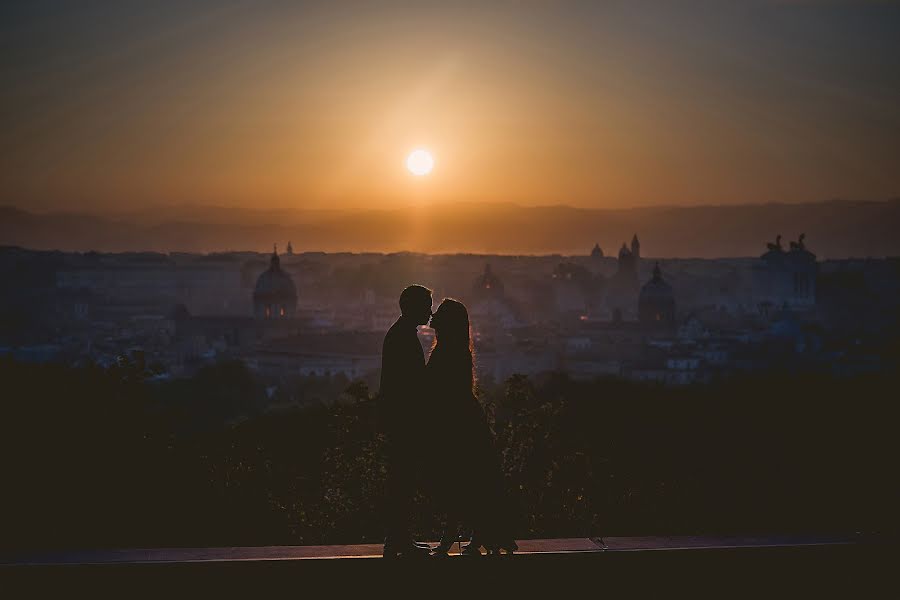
(272, 104)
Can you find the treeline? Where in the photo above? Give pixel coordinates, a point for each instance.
(101, 458)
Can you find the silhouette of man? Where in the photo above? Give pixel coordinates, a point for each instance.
(400, 412)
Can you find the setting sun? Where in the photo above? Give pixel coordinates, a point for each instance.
(419, 162)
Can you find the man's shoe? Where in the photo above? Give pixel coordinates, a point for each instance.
(409, 550)
(443, 548)
(471, 549)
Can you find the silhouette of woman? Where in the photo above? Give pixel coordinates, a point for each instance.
(469, 480)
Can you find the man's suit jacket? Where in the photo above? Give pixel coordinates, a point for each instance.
(402, 382)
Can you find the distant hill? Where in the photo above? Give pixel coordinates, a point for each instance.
(835, 229)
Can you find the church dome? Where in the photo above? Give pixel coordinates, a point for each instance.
(656, 303)
(275, 294)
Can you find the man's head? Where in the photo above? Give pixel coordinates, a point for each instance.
(415, 304)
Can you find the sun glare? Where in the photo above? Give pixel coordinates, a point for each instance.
(419, 162)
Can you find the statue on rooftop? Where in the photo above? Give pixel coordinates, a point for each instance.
(776, 247)
(799, 244)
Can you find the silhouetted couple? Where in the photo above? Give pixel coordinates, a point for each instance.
(437, 433)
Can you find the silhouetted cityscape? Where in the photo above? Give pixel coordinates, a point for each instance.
(614, 313)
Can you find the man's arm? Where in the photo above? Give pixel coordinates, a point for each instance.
(389, 385)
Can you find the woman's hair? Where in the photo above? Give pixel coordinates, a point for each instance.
(453, 339)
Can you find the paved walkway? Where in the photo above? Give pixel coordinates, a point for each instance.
(362, 551)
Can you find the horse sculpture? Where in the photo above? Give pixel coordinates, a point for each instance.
(799, 244)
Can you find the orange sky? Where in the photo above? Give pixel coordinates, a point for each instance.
(276, 104)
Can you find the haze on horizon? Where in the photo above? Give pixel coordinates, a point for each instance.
(276, 105)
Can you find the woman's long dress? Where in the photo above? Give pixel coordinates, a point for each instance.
(469, 480)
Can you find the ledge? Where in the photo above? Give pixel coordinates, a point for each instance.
(547, 547)
(717, 565)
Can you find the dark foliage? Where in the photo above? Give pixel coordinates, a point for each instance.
(101, 458)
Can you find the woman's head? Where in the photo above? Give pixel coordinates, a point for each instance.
(451, 322)
(452, 340)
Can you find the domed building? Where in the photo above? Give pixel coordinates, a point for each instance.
(275, 295)
(656, 303)
(490, 310)
(487, 284)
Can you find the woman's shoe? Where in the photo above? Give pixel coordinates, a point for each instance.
(508, 547)
(408, 550)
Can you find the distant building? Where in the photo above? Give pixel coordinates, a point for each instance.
(627, 268)
(275, 295)
(656, 303)
(571, 288)
(490, 308)
(786, 277)
(623, 286)
(597, 252)
(352, 355)
(487, 284)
